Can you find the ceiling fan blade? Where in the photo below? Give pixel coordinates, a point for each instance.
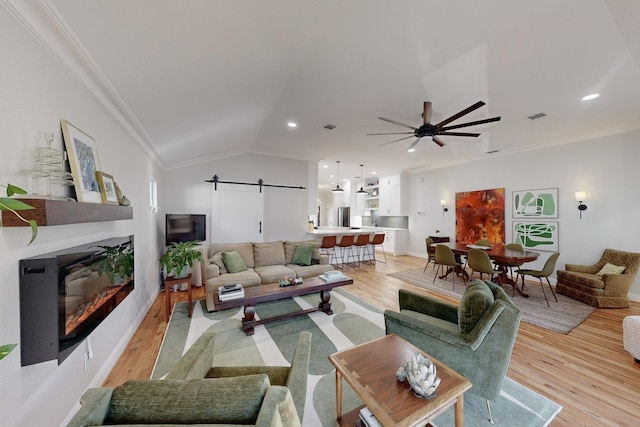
(459, 134)
(426, 114)
(392, 133)
(396, 140)
(460, 114)
(478, 122)
(438, 141)
(414, 144)
(396, 123)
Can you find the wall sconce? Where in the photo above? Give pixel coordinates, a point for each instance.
(580, 196)
(444, 206)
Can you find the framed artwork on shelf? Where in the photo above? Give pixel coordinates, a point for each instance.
(532, 204)
(107, 188)
(83, 160)
(538, 235)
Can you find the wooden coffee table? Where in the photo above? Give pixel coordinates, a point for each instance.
(272, 292)
(370, 370)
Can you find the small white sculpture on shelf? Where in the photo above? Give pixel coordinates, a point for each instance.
(420, 372)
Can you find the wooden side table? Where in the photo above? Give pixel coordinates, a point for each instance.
(168, 282)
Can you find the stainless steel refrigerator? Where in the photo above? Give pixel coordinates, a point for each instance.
(344, 217)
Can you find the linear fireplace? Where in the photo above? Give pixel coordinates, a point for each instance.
(65, 295)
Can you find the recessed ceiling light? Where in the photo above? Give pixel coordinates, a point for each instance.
(331, 176)
(325, 166)
(411, 150)
(374, 172)
(592, 96)
(292, 124)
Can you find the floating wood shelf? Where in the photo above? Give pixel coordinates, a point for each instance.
(58, 212)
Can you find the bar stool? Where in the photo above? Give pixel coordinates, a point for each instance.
(345, 246)
(328, 247)
(362, 248)
(377, 240)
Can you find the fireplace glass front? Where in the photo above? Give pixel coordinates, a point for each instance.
(65, 295)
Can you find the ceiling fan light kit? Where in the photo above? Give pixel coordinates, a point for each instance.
(427, 129)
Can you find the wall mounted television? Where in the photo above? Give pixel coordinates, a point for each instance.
(185, 227)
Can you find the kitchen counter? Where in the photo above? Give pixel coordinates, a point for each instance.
(396, 239)
(340, 231)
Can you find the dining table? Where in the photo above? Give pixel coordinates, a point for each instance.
(500, 256)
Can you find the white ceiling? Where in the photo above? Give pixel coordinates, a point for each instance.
(205, 79)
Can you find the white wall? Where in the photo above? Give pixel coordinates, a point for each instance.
(286, 209)
(35, 93)
(606, 168)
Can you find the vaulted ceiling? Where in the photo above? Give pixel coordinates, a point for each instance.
(203, 79)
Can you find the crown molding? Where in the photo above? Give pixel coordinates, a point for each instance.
(42, 20)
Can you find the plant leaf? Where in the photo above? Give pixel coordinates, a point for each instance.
(7, 204)
(6, 349)
(34, 230)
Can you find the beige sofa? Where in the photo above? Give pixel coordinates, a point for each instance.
(267, 262)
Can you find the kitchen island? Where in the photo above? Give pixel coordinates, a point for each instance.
(396, 240)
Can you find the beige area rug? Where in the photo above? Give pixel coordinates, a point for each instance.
(562, 316)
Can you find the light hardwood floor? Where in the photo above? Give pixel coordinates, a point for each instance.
(587, 371)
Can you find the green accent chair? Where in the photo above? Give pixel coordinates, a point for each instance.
(246, 400)
(546, 271)
(475, 338)
(511, 266)
(431, 253)
(197, 363)
(481, 242)
(610, 290)
(445, 258)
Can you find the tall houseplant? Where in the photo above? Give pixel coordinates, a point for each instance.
(178, 256)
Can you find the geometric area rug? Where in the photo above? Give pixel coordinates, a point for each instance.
(559, 316)
(354, 322)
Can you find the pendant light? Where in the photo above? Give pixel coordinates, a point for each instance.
(361, 190)
(337, 189)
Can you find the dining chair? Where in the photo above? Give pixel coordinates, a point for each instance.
(431, 252)
(378, 240)
(345, 244)
(361, 246)
(328, 247)
(479, 261)
(511, 266)
(445, 258)
(480, 242)
(546, 271)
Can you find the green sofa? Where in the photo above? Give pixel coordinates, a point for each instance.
(475, 338)
(246, 400)
(197, 363)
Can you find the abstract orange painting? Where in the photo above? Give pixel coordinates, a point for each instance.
(480, 215)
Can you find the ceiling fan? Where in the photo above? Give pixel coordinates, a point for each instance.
(434, 131)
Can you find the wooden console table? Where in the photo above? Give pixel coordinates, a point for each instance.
(168, 282)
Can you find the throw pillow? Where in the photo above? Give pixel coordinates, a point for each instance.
(233, 262)
(477, 298)
(609, 268)
(217, 260)
(302, 255)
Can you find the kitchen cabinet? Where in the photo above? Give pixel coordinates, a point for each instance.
(368, 202)
(396, 242)
(392, 196)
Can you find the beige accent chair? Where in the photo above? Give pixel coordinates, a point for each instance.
(582, 282)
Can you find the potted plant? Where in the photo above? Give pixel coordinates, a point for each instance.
(178, 256)
(117, 263)
(15, 205)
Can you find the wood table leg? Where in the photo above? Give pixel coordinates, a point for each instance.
(325, 304)
(338, 394)
(190, 309)
(459, 411)
(248, 321)
(167, 298)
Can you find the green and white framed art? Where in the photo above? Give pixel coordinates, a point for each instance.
(533, 204)
(83, 159)
(539, 235)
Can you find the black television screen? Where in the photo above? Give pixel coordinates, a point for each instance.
(185, 227)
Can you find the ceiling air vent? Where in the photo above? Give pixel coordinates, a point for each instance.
(537, 116)
(329, 126)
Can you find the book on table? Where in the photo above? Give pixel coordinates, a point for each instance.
(331, 276)
(368, 419)
(229, 292)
